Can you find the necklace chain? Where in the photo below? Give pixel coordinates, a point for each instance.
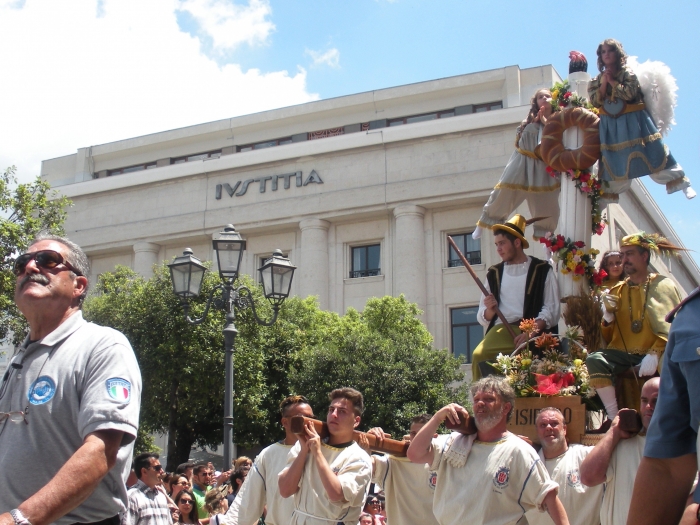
(636, 324)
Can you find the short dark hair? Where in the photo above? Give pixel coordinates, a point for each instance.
(182, 467)
(506, 234)
(143, 461)
(290, 401)
(199, 467)
(422, 419)
(352, 395)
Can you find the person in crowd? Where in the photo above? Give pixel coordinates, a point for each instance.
(615, 461)
(70, 453)
(669, 464)
(179, 483)
(408, 487)
(201, 484)
(489, 477)
(147, 505)
(260, 489)
(186, 469)
(563, 462)
(366, 519)
(612, 264)
(236, 481)
(634, 324)
(187, 507)
(522, 287)
(630, 143)
(374, 506)
(243, 462)
(329, 480)
(216, 504)
(525, 177)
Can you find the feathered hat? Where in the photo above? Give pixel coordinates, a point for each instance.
(516, 226)
(652, 242)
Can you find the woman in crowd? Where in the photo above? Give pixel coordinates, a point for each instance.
(187, 507)
(178, 483)
(216, 504)
(236, 480)
(243, 462)
(630, 142)
(525, 177)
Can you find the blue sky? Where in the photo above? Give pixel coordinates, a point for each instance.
(86, 72)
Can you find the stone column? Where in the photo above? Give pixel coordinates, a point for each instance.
(575, 215)
(145, 256)
(313, 266)
(409, 254)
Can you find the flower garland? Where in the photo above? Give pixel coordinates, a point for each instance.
(562, 97)
(551, 373)
(591, 186)
(574, 258)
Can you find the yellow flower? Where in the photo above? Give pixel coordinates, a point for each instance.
(555, 94)
(578, 362)
(526, 362)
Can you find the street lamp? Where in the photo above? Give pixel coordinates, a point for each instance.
(187, 274)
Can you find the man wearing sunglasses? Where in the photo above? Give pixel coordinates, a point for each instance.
(73, 391)
(147, 505)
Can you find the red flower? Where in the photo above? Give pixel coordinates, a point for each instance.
(579, 270)
(579, 244)
(568, 379)
(599, 276)
(567, 95)
(585, 175)
(600, 228)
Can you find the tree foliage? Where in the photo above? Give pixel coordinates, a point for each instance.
(25, 210)
(386, 353)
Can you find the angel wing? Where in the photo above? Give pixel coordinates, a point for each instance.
(659, 88)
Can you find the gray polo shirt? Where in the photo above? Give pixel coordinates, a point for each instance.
(78, 379)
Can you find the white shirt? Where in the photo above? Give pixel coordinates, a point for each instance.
(619, 480)
(512, 296)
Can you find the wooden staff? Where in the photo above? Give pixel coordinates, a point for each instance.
(386, 445)
(480, 285)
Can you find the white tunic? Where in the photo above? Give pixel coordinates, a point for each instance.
(353, 467)
(408, 488)
(582, 503)
(499, 482)
(512, 296)
(619, 480)
(260, 488)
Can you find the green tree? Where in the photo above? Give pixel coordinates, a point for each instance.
(25, 210)
(386, 353)
(182, 366)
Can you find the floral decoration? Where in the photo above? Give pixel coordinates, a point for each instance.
(562, 97)
(591, 186)
(549, 373)
(574, 258)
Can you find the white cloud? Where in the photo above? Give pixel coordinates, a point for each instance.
(330, 58)
(74, 79)
(229, 24)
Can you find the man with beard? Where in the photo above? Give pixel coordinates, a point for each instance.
(408, 487)
(69, 401)
(329, 480)
(491, 477)
(615, 461)
(260, 487)
(563, 462)
(634, 324)
(521, 286)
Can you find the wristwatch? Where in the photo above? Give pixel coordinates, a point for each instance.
(19, 517)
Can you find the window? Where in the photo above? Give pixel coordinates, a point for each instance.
(365, 261)
(489, 106)
(467, 333)
(266, 144)
(199, 156)
(131, 169)
(421, 118)
(471, 248)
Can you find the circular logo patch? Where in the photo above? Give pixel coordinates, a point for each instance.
(432, 480)
(119, 389)
(573, 479)
(41, 391)
(501, 477)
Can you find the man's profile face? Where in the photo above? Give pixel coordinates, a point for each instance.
(47, 288)
(507, 249)
(551, 430)
(489, 410)
(202, 479)
(650, 393)
(415, 428)
(633, 260)
(298, 409)
(151, 476)
(341, 416)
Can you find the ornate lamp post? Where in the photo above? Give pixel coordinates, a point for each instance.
(187, 273)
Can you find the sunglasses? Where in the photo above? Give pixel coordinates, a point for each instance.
(183, 483)
(186, 502)
(15, 417)
(157, 468)
(46, 259)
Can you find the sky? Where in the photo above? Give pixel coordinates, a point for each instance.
(77, 73)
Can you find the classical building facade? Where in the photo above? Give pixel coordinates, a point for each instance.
(360, 192)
